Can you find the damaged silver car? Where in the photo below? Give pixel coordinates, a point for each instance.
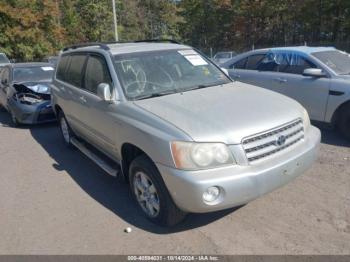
(25, 92)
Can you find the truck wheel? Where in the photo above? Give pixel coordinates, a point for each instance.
(344, 122)
(151, 193)
(66, 131)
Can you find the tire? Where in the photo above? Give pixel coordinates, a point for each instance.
(157, 195)
(14, 120)
(66, 131)
(344, 122)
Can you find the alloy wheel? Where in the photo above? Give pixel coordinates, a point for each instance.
(146, 194)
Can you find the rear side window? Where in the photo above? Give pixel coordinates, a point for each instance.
(4, 59)
(254, 61)
(96, 73)
(5, 74)
(73, 75)
(61, 68)
(240, 64)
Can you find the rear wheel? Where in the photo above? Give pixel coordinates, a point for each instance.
(66, 131)
(151, 193)
(344, 122)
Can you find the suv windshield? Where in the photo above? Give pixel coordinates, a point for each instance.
(39, 73)
(148, 74)
(338, 61)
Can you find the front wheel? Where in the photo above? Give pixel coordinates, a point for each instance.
(344, 122)
(151, 193)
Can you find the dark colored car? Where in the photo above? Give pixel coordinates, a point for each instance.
(25, 92)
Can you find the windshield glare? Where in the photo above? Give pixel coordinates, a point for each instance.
(150, 73)
(39, 73)
(338, 61)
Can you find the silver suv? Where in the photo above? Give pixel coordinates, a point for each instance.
(173, 124)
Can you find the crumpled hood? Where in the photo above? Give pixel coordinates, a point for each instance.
(225, 113)
(41, 87)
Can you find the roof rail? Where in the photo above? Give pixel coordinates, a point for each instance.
(157, 40)
(101, 45)
(104, 45)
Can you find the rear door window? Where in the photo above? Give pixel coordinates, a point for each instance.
(61, 68)
(254, 61)
(96, 73)
(74, 74)
(240, 64)
(5, 75)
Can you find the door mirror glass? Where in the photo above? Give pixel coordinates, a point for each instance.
(314, 72)
(104, 91)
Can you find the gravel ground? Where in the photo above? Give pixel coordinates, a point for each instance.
(56, 201)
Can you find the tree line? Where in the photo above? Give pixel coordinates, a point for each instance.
(33, 29)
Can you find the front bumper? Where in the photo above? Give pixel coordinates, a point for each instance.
(240, 184)
(32, 114)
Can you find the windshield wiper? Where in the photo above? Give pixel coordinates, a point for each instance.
(156, 94)
(203, 86)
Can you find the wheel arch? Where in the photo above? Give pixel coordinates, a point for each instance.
(129, 152)
(336, 113)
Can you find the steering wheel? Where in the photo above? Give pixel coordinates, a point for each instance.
(141, 81)
(139, 86)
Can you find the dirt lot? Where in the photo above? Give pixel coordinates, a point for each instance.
(56, 201)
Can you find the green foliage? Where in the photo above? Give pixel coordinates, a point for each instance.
(244, 24)
(33, 29)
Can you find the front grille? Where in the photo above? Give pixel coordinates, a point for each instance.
(270, 142)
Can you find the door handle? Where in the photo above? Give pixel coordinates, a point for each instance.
(83, 99)
(281, 80)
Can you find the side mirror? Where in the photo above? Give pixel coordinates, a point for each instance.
(314, 72)
(104, 92)
(224, 70)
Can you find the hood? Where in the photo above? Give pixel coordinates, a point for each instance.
(41, 87)
(226, 113)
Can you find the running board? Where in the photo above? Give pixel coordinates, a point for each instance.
(98, 160)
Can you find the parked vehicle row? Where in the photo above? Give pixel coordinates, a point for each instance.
(176, 126)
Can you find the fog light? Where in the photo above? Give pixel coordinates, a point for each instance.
(211, 194)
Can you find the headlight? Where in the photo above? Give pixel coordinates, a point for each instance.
(306, 120)
(194, 156)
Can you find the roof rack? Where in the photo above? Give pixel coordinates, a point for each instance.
(158, 40)
(104, 45)
(101, 45)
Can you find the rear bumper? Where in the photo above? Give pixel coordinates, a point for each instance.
(32, 114)
(240, 184)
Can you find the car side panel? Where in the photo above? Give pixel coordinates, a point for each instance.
(341, 91)
(311, 92)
